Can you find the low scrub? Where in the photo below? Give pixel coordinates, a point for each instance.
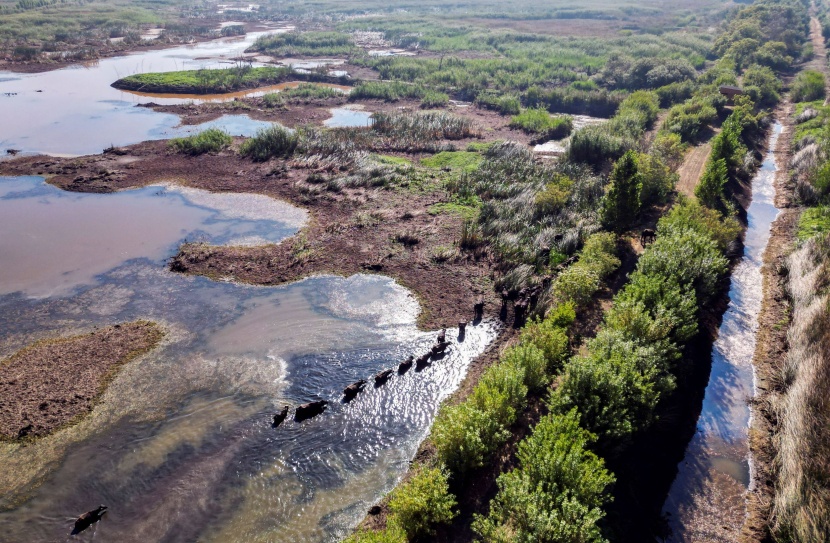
(273, 142)
(808, 86)
(539, 122)
(211, 140)
(422, 502)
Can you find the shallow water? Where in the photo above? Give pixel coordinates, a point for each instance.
(345, 116)
(75, 111)
(706, 501)
(180, 446)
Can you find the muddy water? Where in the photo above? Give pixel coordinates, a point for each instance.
(348, 116)
(706, 501)
(74, 111)
(180, 447)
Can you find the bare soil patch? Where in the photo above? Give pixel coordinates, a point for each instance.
(53, 382)
(692, 168)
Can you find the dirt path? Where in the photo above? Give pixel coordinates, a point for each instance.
(692, 168)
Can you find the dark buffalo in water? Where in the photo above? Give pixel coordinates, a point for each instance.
(442, 337)
(478, 309)
(353, 390)
(404, 366)
(382, 377)
(422, 362)
(439, 349)
(309, 410)
(88, 519)
(280, 417)
(462, 328)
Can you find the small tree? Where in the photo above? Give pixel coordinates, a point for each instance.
(622, 202)
(710, 189)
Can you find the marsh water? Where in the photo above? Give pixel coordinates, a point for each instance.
(707, 499)
(180, 446)
(75, 111)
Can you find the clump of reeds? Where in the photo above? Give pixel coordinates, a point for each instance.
(276, 141)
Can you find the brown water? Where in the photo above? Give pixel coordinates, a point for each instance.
(180, 446)
(75, 111)
(707, 500)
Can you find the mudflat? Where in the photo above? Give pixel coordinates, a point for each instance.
(52, 382)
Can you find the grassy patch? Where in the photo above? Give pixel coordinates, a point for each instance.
(538, 121)
(460, 160)
(211, 140)
(814, 221)
(391, 160)
(466, 212)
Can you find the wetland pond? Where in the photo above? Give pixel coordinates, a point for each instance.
(707, 499)
(74, 110)
(180, 446)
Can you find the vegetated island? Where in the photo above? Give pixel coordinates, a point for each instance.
(54, 382)
(215, 81)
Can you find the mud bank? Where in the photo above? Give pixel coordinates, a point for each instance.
(351, 231)
(53, 382)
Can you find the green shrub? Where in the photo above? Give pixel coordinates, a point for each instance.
(614, 392)
(577, 284)
(393, 533)
(599, 253)
(550, 338)
(507, 104)
(538, 121)
(391, 91)
(657, 178)
(276, 141)
(556, 493)
(501, 392)
(710, 190)
(689, 214)
(622, 201)
(211, 140)
(464, 436)
(808, 86)
(531, 359)
(422, 502)
(433, 99)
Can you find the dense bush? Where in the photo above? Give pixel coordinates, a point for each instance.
(422, 502)
(621, 204)
(273, 142)
(211, 140)
(690, 118)
(506, 104)
(557, 492)
(539, 122)
(808, 86)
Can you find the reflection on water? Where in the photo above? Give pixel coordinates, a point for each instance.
(346, 116)
(716, 464)
(180, 446)
(74, 110)
(55, 240)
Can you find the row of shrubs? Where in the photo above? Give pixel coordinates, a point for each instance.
(611, 391)
(466, 435)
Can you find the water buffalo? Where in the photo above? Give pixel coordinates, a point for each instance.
(381, 377)
(462, 328)
(442, 337)
(478, 309)
(309, 410)
(520, 311)
(422, 362)
(404, 366)
(647, 236)
(439, 349)
(88, 519)
(353, 390)
(280, 417)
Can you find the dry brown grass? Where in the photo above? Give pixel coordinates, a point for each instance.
(802, 498)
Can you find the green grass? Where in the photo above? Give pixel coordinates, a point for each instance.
(391, 160)
(213, 81)
(538, 121)
(306, 44)
(814, 221)
(466, 212)
(211, 140)
(456, 160)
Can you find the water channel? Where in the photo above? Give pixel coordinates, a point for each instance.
(707, 499)
(180, 447)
